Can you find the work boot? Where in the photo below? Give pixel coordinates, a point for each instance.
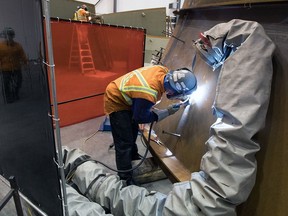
(131, 181)
(137, 157)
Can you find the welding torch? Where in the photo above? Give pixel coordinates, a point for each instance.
(184, 103)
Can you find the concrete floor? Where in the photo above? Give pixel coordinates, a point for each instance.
(87, 137)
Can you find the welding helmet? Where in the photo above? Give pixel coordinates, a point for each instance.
(7, 33)
(179, 83)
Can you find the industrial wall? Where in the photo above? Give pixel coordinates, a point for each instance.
(112, 6)
(155, 47)
(270, 192)
(64, 9)
(153, 20)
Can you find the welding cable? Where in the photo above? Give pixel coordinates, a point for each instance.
(158, 143)
(142, 159)
(91, 136)
(71, 168)
(84, 158)
(92, 183)
(143, 141)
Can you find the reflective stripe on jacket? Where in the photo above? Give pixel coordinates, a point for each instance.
(146, 83)
(82, 15)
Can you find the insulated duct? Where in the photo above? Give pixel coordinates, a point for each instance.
(228, 169)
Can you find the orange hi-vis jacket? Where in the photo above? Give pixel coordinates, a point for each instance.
(82, 15)
(11, 56)
(146, 83)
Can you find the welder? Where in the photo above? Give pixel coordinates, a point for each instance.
(129, 101)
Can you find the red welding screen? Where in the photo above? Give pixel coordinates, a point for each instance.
(87, 57)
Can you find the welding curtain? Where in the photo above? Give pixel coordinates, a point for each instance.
(87, 57)
(27, 149)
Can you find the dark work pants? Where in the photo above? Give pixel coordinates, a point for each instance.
(12, 81)
(124, 132)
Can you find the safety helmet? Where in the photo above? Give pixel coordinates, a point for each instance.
(8, 33)
(84, 7)
(179, 83)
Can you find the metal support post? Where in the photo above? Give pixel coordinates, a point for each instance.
(55, 107)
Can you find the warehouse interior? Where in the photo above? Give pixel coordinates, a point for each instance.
(222, 154)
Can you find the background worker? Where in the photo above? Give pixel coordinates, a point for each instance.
(12, 58)
(82, 14)
(129, 100)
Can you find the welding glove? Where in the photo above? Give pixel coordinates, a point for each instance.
(173, 108)
(163, 113)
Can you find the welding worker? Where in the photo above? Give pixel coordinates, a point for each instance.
(129, 101)
(83, 15)
(12, 58)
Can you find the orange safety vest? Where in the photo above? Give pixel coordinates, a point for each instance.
(12, 57)
(82, 15)
(145, 82)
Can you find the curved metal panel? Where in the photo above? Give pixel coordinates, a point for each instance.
(273, 139)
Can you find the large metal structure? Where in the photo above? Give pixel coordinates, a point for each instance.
(199, 16)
